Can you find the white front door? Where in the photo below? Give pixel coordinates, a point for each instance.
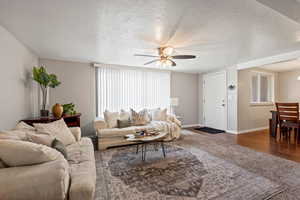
(214, 100)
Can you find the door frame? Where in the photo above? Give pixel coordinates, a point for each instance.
(225, 98)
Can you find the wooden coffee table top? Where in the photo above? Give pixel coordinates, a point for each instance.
(160, 136)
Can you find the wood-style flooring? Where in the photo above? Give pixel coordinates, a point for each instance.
(261, 141)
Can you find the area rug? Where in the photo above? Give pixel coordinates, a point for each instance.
(196, 167)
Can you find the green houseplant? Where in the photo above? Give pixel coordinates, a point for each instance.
(45, 81)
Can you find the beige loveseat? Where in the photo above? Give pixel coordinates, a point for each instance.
(110, 137)
(60, 179)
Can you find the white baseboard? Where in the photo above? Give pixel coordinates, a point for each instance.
(252, 130)
(231, 131)
(190, 125)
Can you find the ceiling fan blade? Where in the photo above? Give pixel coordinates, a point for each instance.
(173, 63)
(152, 61)
(145, 55)
(183, 57)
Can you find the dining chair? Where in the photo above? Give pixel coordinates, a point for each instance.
(288, 115)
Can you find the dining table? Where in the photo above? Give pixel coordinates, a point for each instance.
(273, 123)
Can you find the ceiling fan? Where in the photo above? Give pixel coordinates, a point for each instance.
(165, 57)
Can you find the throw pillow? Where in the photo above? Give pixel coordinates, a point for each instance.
(160, 115)
(111, 118)
(24, 126)
(19, 153)
(60, 147)
(123, 123)
(13, 135)
(124, 115)
(40, 139)
(139, 118)
(58, 129)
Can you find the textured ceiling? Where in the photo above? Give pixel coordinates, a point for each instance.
(221, 33)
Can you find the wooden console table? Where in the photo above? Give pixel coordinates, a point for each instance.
(71, 120)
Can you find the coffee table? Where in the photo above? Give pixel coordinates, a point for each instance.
(145, 140)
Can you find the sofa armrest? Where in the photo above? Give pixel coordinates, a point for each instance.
(100, 124)
(76, 131)
(49, 180)
(172, 118)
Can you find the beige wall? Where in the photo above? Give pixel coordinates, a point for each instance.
(185, 87)
(77, 86)
(289, 86)
(18, 97)
(251, 116)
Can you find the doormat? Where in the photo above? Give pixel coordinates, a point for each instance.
(210, 130)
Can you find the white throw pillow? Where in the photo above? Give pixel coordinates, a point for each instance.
(19, 153)
(124, 115)
(111, 118)
(40, 139)
(160, 115)
(58, 129)
(24, 126)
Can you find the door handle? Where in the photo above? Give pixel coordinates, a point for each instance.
(223, 104)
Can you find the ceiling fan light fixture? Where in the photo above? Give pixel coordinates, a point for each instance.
(168, 51)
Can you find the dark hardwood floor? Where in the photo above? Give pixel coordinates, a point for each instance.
(261, 141)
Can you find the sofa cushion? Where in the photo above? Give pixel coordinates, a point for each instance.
(121, 132)
(40, 139)
(82, 170)
(124, 115)
(49, 181)
(124, 123)
(20, 153)
(24, 126)
(111, 118)
(13, 135)
(139, 118)
(116, 132)
(57, 129)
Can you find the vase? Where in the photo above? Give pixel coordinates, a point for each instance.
(44, 113)
(57, 110)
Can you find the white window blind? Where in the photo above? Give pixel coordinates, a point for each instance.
(129, 88)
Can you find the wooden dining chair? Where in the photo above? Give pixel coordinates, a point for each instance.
(288, 115)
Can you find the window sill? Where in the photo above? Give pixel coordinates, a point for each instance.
(261, 104)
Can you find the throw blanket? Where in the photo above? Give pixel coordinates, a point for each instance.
(172, 128)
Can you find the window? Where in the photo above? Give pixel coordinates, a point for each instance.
(262, 87)
(119, 88)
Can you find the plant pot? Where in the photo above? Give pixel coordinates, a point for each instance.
(57, 110)
(44, 113)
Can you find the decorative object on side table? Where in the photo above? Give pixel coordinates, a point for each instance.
(45, 81)
(57, 110)
(69, 109)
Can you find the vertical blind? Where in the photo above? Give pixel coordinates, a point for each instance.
(119, 88)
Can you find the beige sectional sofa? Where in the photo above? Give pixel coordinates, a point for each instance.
(60, 179)
(110, 137)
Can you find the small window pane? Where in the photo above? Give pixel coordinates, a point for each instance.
(254, 88)
(264, 89)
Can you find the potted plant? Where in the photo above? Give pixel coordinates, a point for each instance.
(45, 81)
